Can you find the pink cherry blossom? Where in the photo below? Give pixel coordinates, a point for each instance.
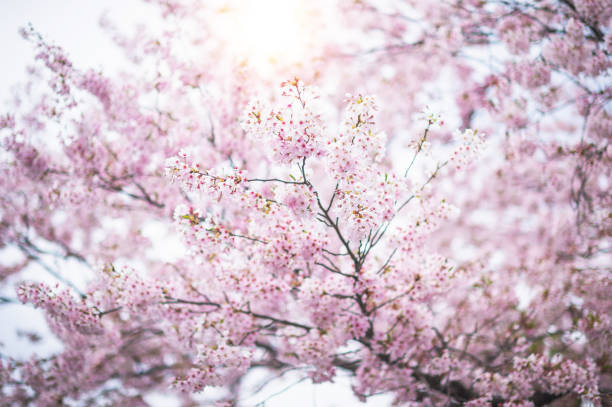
(205, 218)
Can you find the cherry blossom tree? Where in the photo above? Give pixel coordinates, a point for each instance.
(329, 221)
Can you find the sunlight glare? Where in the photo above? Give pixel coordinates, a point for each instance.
(265, 32)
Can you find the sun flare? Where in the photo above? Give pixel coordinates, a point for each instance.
(265, 32)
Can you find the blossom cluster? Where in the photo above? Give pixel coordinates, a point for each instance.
(224, 226)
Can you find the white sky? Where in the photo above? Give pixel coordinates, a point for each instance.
(72, 24)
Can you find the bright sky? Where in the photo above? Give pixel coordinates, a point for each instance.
(72, 24)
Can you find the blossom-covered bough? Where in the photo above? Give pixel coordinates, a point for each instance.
(319, 235)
